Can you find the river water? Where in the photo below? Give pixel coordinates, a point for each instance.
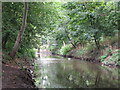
(71, 73)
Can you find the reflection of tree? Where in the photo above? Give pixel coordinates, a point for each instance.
(76, 75)
(97, 79)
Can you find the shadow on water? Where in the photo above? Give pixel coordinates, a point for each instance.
(63, 73)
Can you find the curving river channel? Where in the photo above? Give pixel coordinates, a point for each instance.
(70, 73)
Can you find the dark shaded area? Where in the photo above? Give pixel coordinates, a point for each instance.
(14, 77)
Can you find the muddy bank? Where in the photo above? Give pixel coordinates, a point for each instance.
(15, 77)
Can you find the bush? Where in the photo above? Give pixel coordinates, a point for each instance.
(80, 52)
(65, 49)
(54, 48)
(90, 47)
(30, 53)
(114, 40)
(116, 57)
(102, 58)
(113, 58)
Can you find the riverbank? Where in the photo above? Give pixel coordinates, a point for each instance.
(80, 58)
(17, 74)
(109, 59)
(107, 54)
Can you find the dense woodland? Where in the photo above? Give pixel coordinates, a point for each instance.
(87, 31)
(62, 28)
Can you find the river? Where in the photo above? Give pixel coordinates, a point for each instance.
(71, 73)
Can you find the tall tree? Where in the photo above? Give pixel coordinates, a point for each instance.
(20, 34)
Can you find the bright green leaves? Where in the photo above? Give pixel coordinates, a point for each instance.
(91, 19)
(65, 49)
(71, 22)
(41, 16)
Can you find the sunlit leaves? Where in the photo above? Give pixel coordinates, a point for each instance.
(75, 22)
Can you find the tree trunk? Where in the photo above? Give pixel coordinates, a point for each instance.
(97, 79)
(38, 52)
(118, 21)
(70, 40)
(20, 34)
(4, 41)
(96, 43)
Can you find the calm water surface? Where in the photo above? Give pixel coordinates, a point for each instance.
(65, 73)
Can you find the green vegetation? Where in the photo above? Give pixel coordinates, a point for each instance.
(113, 59)
(81, 52)
(108, 53)
(103, 57)
(82, 30)
(61, 28)
(65, 49)
(34, 31)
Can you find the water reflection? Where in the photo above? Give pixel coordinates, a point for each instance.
(61, 73)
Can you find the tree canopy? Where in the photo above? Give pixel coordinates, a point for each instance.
(56, 23)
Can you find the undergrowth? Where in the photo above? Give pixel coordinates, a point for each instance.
(108, 51)
(65, 49)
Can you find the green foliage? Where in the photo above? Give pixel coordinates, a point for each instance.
(40, 17)
(113, 58)
(91, 20)
(65, 49)
(54, 48)
(116, 57)
(80, 52)
(90, 47)
(109, 51)
(29, 53)
(52, 23)
(102, 58)
(114, 40)
(36, 67)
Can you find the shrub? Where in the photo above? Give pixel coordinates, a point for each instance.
(54, 48)
(114, 40)
(65, 49)
(102, 58)
(81, 51)
(30, 53)
(90, 47)
(116, 57)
